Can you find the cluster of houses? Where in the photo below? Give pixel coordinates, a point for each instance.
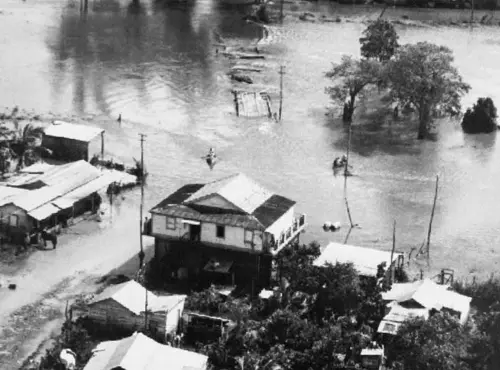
(46, 196)
(226, 232)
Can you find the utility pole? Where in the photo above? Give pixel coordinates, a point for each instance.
(472, 13)
(393, 249)
(432, 217)
(282, 72)
(281, 10)
(141, 253)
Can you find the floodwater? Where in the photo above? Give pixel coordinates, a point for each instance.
(156, 65)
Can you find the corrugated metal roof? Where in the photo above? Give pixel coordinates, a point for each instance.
(397, 315)
(365, 260)
(7, 194)
(238, 189)
(428, 294)
(372, 352)
(131, 295)
(138, 352)
(44, 212)
(73, 131)
(60, 181)
(229, 219)
(37, 168)
(272, 209)
(179, 196)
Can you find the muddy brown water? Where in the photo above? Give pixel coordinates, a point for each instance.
(157, 67)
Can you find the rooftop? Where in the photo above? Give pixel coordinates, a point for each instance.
(259, 207)
(365, 260)
(429, 295)
(139, 352)
(73, 131)
(131, 296)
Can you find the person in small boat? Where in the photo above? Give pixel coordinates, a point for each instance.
(211, 153)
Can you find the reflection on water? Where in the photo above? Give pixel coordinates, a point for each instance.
(156, 65)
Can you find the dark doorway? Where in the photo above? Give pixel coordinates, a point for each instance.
(194, 233)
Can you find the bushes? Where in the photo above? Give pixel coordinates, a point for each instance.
(481, 118)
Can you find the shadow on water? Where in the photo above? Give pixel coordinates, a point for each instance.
(481, 146)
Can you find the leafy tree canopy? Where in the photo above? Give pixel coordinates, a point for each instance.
(423, 75)
(379, 41)
(351, 77)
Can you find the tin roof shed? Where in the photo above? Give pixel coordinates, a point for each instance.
(365, 260)
(138, 352)
(73, 131)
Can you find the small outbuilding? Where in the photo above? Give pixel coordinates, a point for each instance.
(122, 306)
(73, 142)
(141, 352)
(365, 260)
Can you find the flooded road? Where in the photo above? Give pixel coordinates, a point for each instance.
(157, 66)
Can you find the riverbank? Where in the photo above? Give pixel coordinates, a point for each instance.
(332, 12)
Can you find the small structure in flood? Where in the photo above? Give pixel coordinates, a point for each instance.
(73, 142)
(122, 307)
(45, 196)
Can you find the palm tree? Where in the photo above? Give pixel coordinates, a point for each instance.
(27, 145)
(6, 156)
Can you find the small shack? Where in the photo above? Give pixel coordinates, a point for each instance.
(365, 260)
(73, 142)
(122, 306)
(141, 352)
(252, 104)
(200, 328)
(373, 358)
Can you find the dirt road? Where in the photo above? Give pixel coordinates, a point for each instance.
(49, 278)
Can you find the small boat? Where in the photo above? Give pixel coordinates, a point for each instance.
(211, 158)
(339, 162)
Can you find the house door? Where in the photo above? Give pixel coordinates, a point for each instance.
(194, 233)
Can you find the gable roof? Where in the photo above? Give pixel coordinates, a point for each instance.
(261, 207)
(238, 189)
(365, 260)
(139, 352)
(72, 131)
(131, 295)
(428, 294)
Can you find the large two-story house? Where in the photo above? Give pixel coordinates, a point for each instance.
(227, 230)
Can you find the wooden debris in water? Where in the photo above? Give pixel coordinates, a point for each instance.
(241, 55)
(237, 68)
(252, 104)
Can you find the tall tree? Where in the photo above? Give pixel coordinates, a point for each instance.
(351, 77)
(379, 41)
(423, 76)
(27, 145)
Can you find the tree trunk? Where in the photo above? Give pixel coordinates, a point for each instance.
(348, 110)
(423, 118)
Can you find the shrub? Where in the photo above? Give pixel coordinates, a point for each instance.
(481, 118)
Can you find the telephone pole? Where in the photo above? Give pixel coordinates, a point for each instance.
(281, 9)
(141, 253)
(282, 72)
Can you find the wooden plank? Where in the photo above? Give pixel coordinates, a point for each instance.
(245, 68)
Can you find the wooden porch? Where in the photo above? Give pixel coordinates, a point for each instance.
(287, 236)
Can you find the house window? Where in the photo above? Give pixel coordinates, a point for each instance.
(14, 220)
(220, 231)
(248, 236)
(170, 223)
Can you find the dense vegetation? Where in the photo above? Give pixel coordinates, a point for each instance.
(321, 318)
(419, 76)
(481, 118)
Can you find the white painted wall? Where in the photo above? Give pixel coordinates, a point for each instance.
(159, 226)
(282, 223)
(233, 235)
(173, 317)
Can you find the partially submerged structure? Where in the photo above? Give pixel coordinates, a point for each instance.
(225, 231)
(252, 104)
(140, 352)
(123, 307)
(44, 196)
(419, 299)
(73, 142)
(365, 260)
